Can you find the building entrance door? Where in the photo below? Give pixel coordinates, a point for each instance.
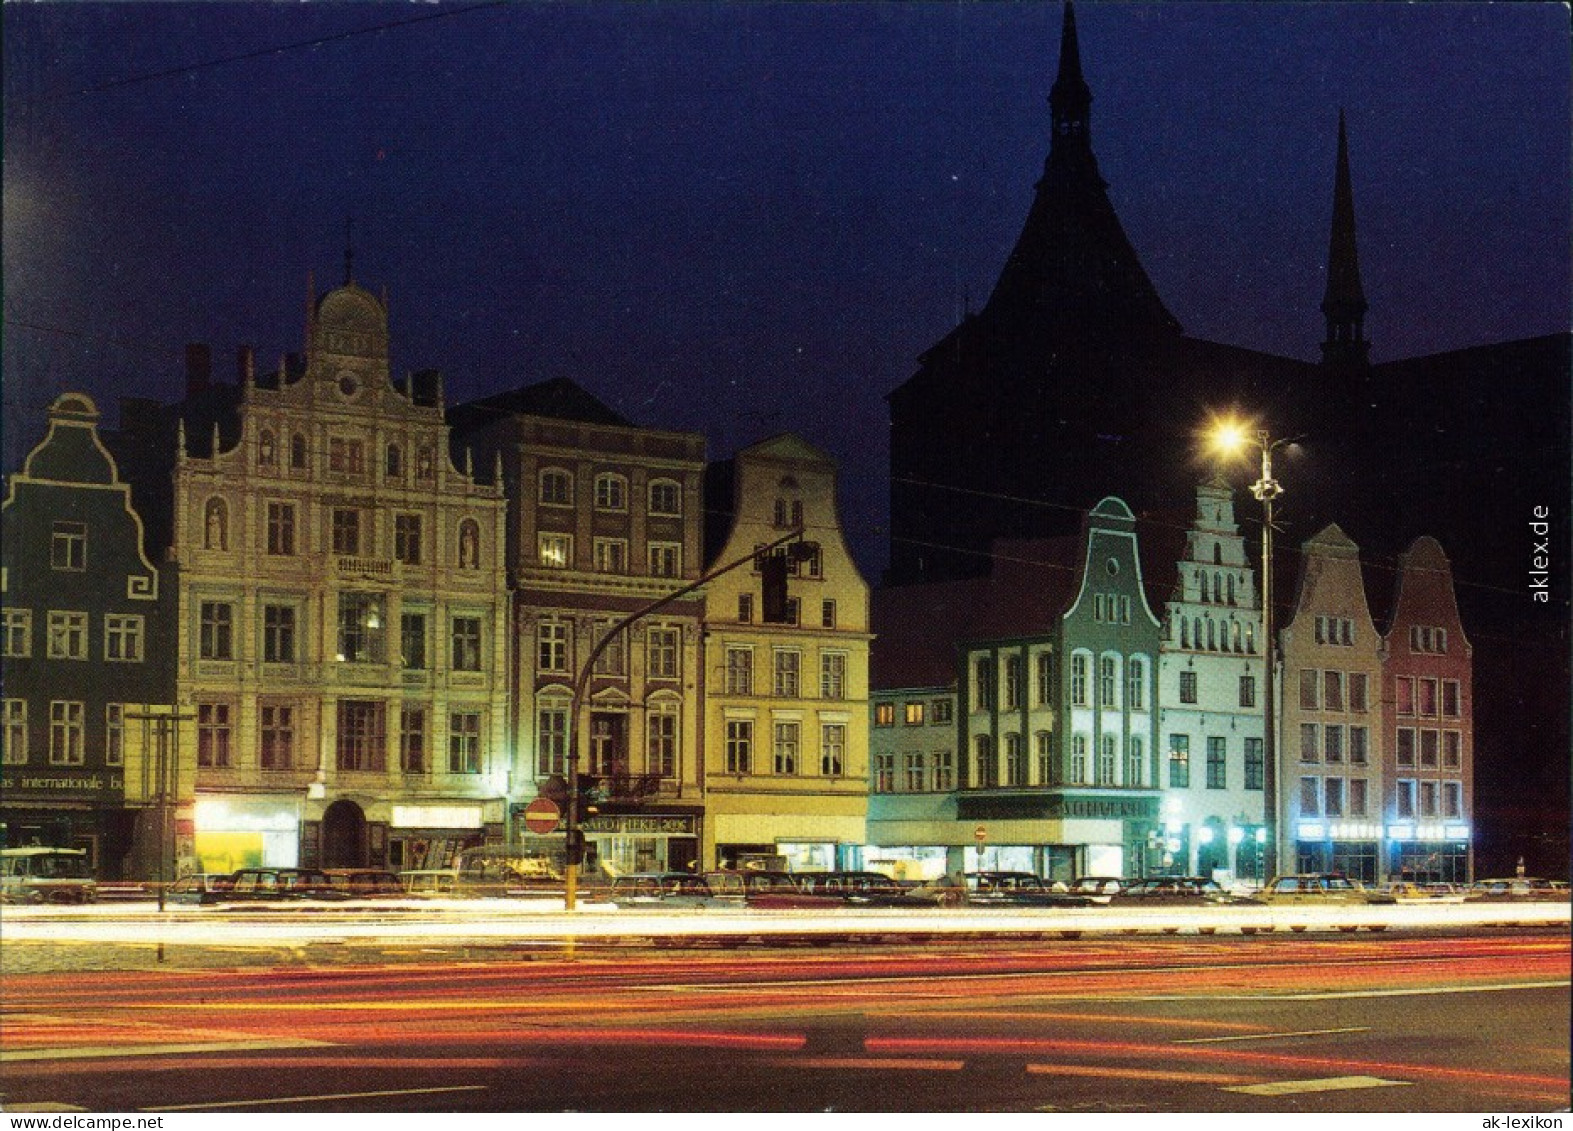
(344, 836)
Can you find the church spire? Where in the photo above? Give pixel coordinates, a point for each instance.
(1344, 304)
(1070, 99)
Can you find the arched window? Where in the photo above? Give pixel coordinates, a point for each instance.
(1185, 633)
(297, 451)
(266, 448)
(1217, 553)
(1231, 589)
(611, 492)
(556, 487)
(1015, 761)
(1078, 759)
(1135, 763)
(666, 497)
(1108, 681)
(987, 776)
(1212, 637)
(1107, 760)
(469, 544)
(1136, 684)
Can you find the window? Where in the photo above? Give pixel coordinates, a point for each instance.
(346, 531)
(1187, 687)
(277, 749)
(1404, 695)
(786, 747)
(611, 493)
(551, 741)
(466, 644)
(1310, 742)
(1310, 797)
(278, 634)
(412, 740)
(66, 732)
(16, 632)
(68, 546)
(1310, 689)
(1012, 698)
(213, 735)
(1406, 798)
(412, 641)
(123, 637)
(1359, 693)
(68, 636)
(1452, 799)
(1108, 681)
(611, 555)
(884, 714)
(361, 632)
(832, 675)
(944, 763)
(297, 451)
(1247, 691)
(745, 608)
(1125, 610)
(1135, 762)
(464, 742)
(739, 746)
(1404, 752)
(1358, 797)
(1333, 797)
(940, 712)
(1045, 679)
(1136, 684)
(1333, 743)
(362, 735)
(1452, 750)
(884, 773)
(1359, 745)
(551, 651)
(1428, 749)
(1043, 743)
(1079, 680)
(983, 670)
(914, 714)
(666, 559)
(661, 652)
(1098, 607)
(1333, 691)
(666, 497)
(613, 658)
(661, 740)
(1451, 700)
(739, 671)
(987, 776)
(1078, 759)
(14, 722)
(1217, 770)
(393, 465)
(1428, 798)
(1107, 760)
(556, 487)
(1179, 761)
(346, 455)
(281, 529)
(407, 538)
(216, 636)
(555, 550)
(832, 749)
(827, 614)
(1015, 761)
(912, 781)
(1253, 763)
(1424, 638)
(114, 734)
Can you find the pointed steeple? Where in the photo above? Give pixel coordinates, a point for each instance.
(1343, 304)
(1070, 99)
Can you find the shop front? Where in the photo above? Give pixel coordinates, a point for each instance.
(623, 843)
(246, 831)
(1351, 848)
(1425, 854)
(429, 836)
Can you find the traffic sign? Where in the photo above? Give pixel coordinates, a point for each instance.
(980, 834)
(542, 815)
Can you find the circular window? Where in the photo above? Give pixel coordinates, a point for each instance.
(347, 385)
(1113, 566)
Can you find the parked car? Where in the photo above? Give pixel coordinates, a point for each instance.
(1099, 889)
(365, 883)
(1018, 889)
(282, 883)
(745, 885)
(496, 872)
(1177, 891)
(1320, 887)
(865, 889)
(430, 883)
(1516, 889)
(46, 875)
(663, 889)
(201, 888)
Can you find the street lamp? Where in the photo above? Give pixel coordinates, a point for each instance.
(1230, 438)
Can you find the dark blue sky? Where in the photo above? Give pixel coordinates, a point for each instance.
(748, 218)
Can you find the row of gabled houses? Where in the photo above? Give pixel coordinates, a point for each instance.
(1094, 705)
(320, 616)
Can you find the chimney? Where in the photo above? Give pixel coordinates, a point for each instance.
(199, 367)
(245, 365)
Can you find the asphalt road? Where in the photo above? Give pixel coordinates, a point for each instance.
(1443, 1021)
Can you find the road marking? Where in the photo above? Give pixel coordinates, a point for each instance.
(1110, 1072)
(880, 1063)
(1270, 1036)
(94, 1052)
(1418, 992)
(1328, 1084)
(313, 1099)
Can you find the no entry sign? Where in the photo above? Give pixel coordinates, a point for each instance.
(542, 815)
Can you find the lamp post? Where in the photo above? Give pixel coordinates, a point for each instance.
(1230, 438)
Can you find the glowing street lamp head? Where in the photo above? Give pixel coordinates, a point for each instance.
(1228, 437)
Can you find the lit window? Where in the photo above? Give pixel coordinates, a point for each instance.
(556, 550)
(914, 714)
(1179, 761)
(362, 628)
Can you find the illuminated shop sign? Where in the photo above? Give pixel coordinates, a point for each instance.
(436, 817)
(238, 814)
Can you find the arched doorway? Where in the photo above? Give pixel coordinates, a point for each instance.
(344, 836)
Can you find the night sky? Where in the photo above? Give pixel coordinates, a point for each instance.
(742, 219)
